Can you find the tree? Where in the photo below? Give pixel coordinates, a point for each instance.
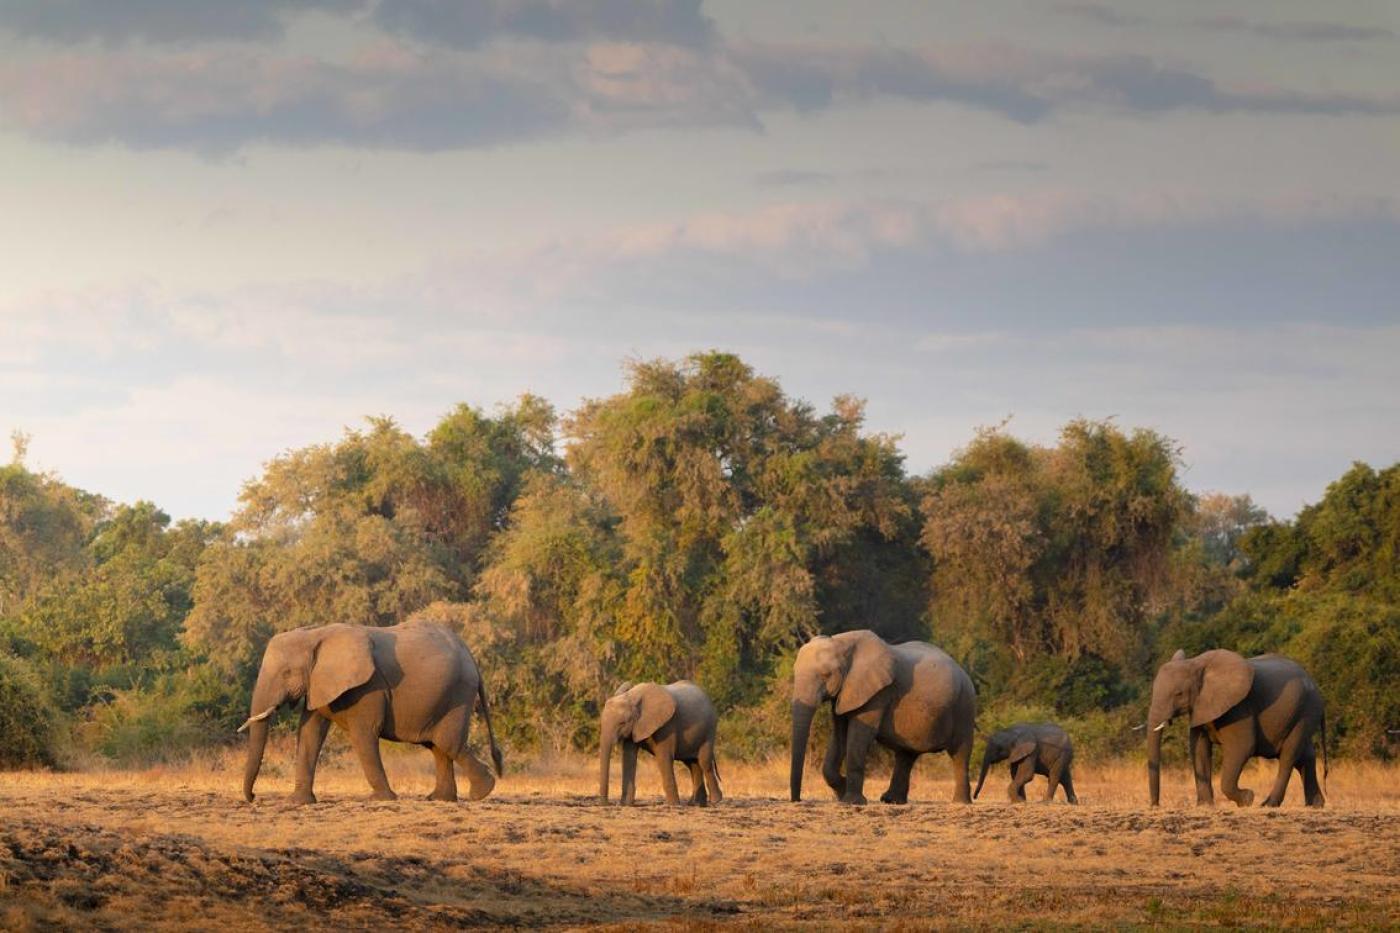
(366, 530)
(1057, 551)
(130, 599)
(730, 509)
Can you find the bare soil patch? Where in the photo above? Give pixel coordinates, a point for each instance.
(178, 850)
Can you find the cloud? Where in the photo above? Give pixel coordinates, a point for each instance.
(1100, 13)
(473, 23)
(157, 21)
(1295, 31)
(388, 95)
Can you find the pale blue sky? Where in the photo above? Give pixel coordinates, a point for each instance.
(229, 229)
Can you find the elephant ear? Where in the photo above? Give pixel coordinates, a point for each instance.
(1225, 681)
(871, 670)
(344, 660)
(1022, 749)
(655, 707)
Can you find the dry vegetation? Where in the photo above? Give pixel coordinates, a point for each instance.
(173, 848)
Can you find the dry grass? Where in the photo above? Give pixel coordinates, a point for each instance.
(176, 847)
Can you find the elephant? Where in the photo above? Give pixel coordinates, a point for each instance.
(912, 698)
(1266, 706)
(1032, 748)
(416, 683)
(676, 722)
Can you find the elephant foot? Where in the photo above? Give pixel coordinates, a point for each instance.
(855, 800)
(444, 796)
(384, 795)
(1269, 801)
(697, 802)
(1243, 798)
(1317, 802)
(898, 800)
(301, 799)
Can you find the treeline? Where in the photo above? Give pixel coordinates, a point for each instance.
(700, 523)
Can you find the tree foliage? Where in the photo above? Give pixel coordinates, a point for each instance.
(699, 524)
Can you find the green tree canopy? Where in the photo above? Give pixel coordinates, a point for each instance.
(365, 530)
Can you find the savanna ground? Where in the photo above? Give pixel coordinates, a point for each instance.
(177, 848)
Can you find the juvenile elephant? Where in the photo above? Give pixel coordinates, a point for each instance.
(1032, 748)
(911, 698)
(675, 723)
(415, 683)
(1266, 706)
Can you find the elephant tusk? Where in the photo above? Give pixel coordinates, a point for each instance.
(1160, 728)
(258, 718)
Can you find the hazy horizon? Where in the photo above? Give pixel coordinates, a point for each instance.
(235, 230)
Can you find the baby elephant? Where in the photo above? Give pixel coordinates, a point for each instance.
(1033, 748)
(674, 723)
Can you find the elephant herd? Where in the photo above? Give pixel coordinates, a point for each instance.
(418, 683)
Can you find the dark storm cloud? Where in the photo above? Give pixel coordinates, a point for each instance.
(156, 20)
(473, 23)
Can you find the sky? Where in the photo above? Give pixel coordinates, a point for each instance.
(232, 229)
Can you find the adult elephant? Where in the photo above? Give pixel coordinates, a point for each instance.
(912, 698)
(415, 683)
(1265, 706)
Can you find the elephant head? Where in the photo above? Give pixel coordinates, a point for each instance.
(1003, 746)
(848, 669)
(1206, 687)
(316, 663)
(632, 713)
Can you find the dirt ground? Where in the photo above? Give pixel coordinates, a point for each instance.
(178, 849)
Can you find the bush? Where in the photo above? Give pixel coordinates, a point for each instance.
(28, 720)
(162, 721)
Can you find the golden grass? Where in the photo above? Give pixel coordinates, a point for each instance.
(167, 848)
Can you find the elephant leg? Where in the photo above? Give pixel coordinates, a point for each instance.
(1236, 756)
(1054, 774)
(365, 741)
(1021, 775)
(962, 760)
(835, 754)
(480, 778)
(311, 734)
(698, 797)
(711, 768)
(1200, 766)
(445, 788)
(899, 781)
(1067, 782)
(667, 765)
(860, 733)
(1287, 756)
(1307, 769)
(629, 773)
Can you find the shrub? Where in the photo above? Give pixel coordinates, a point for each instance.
(28, 720)
(164, 720)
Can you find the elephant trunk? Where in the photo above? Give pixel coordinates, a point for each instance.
(266, 699)
(802, 714)
(1154, 763)
(986, 763)
(257, 743)
(605, 747)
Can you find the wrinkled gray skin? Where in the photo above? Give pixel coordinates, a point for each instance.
(1266, 706)
(675, 723)
(911, 698)
(1031, 748)
(415, 683)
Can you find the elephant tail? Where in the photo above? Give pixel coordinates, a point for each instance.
(496, 758)
(1325, 766)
